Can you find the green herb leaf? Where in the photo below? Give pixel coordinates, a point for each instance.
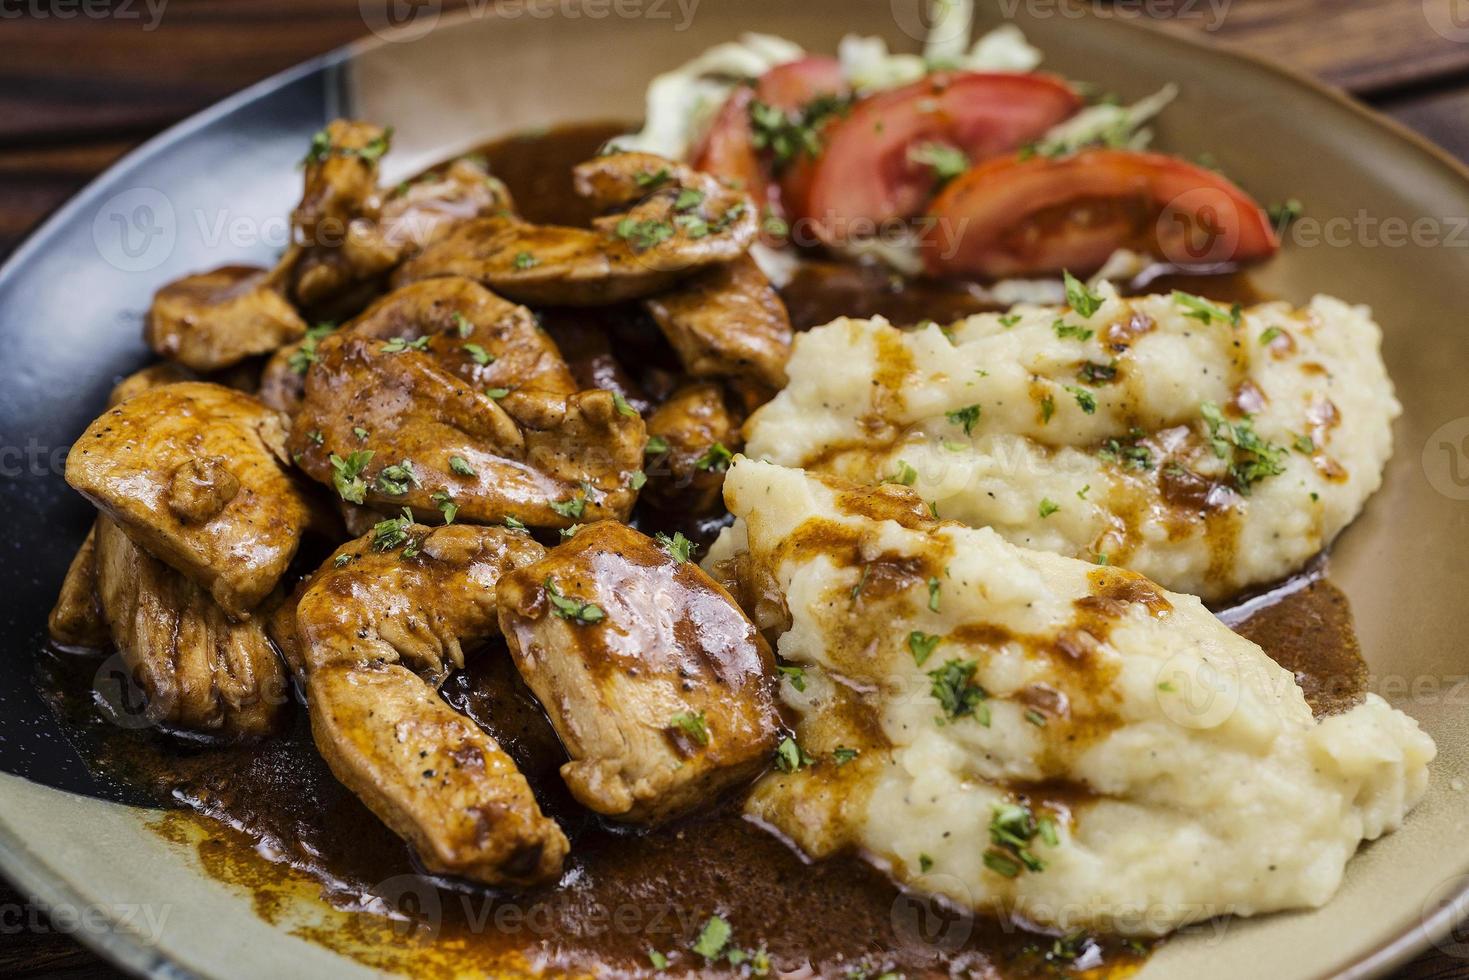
(693, 725)
(954, 688)
(796, 675)
(1048, 507)
(397, 479)
(347, 475)
(713, 938)
(716, 458)
(933, 594)
(1079, 297)
(459, 466)
(922, 645)
(573, 610)
(481, 356)
(790, 757)
(966, 417)
(680, 547)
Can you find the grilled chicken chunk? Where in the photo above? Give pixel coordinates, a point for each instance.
(413, 405)
(654, 679)
(376, 629)
(193, 473)
(676, 221)
(77, 619)
(418, 213)
(150, 377)
(695, 434)
(213, 320)
(727, 322)
(200, 671)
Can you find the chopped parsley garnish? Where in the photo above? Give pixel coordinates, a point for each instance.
(688, 199)
(713, 938)
(360, 433)
(341, 561)
(389, 534)
(925, 863)
(657, 959)
(645, 234)
(525, 260)
(1204, 311)
(954, 688)
(861, 583)
(514, 523)
(1035, 718)
(461, 324)
(567, 533)
(623, 408)
(947, 162)
(481, 356)
(1048, 507)
(573, 610)
(796, 675)
(905, 475)
(790, 757)
(1269, 335)
(1084, 398)
(397, 479)
(321, 147)
(1305, 445)
(304, 356)
(459, 466)
(1250, 458)
(933, 594)
(573, 507)
(1012, 829)
(1094, 374)
(693, 725)
(1081, 494)
(650, 179)
(1128, 453)
(843, 755)
(967, 417)
(1048, 408)
(788, 135)
(716, 458)
(347, 475)
(921, 645)
(1072, 330)
(680, 547)
(1285, 212)
(774, 225)
(656, 444)
(1009, 320)
(446, 505)
(400, 344)
(1079, 297)
(637, 480)
(496, 393)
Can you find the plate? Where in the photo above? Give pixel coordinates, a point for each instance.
(1387, 221)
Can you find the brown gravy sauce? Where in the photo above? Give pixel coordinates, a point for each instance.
(272, 820)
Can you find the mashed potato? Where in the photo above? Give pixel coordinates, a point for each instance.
(1206, 448)
(1023, 732)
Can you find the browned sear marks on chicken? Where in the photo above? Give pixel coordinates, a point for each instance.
(727, 322)
(376, 630)
(139, 464)
(213, 320)
(696, 433)
(200, 670)
(654, 678)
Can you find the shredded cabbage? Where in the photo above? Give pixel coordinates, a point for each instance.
(1117, 126)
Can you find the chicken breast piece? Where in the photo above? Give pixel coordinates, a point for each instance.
(672, 221)
(654, 679)
(727, 322)
(150, 377)
(695, 435)
(420, 211)
(424, 417)
(77, 619)
(192, 472)
(433, 776)
(1027, 733)
(1211, 449)
(200, 670)
(376, 629)
(213, 320)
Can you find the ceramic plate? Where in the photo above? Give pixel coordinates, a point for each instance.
(1387, 224)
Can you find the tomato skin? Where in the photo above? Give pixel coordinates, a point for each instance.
(1014, 217)
(728, 148)
(864, 176)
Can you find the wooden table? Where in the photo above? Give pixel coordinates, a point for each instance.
(76, 93)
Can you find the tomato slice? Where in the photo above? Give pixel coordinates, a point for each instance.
(728, 149)
(1030, 216)
(865, 174)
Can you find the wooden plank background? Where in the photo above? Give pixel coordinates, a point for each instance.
(76, 93)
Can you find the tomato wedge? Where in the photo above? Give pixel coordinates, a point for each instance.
(1030, 216)
(866, 174)
(728, 149)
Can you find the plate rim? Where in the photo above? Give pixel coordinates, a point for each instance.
(122, 948)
